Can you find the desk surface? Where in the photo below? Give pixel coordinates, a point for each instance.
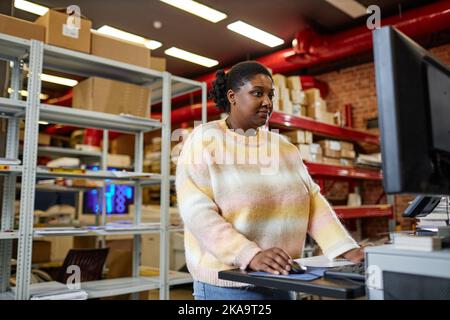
(332, 288)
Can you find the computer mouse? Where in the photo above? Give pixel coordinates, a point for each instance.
(297, 268)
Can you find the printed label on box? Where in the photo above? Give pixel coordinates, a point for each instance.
(71, 31)
(335, 145)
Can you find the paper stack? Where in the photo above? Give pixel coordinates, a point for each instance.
(438, 218)
(417, 243)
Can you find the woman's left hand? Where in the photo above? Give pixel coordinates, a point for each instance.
(355, 255)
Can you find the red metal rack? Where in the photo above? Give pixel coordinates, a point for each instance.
(365, 211)
(287, 121)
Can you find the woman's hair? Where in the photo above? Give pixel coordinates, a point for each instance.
(234, 80)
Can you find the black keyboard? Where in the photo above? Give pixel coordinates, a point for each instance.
(354, 272)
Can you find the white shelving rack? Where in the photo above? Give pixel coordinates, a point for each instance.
(164, 86)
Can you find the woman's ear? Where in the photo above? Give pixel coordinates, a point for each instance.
(231, 97)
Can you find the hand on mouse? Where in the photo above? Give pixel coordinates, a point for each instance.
(273, 260)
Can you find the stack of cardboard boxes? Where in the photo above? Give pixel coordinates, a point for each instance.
(325, 151)
(338, 152)
(291, 99)
(289, 96)
(96, 94)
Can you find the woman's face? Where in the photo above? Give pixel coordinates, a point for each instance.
(252, 106)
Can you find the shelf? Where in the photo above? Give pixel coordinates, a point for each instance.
(176, 229)
(287, 121)
(8, 169)
(12, 108)
(55, 151)
(180, 86)
(114, 287)
(365, 211)
(98, 175)
(92, 232)
(177, 278)
(87, 65)
(8, 295)
(81, 118)
(92, 119)
(326, 171)
(9, 235)
(12, 48)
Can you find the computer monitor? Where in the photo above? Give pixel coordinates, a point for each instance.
(413, 91)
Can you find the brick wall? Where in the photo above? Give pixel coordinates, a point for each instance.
(356, 86)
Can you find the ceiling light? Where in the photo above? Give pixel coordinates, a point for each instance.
(197, 9)
(191, 57)
(43, 122)
(256, 34)
(351, 7)
(117, 33)
(24, 93)
(30, 7)
(59, 80)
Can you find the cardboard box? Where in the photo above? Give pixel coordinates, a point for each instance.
(331, 148)
(315, 149)
(21, 28)
(296, 137)
(298, 96)
(318, 158)
(317, 109)
(104, 95)
(331, 161)
(286, 106)
(279, 80)
(348, 154)
(120, 50)
(284, 93)
(59, 33)
(296, 109)
(346, 162)
(294, 83)
(44, 139)
(313, 95)
(119, 160)
(305, 152)
(331, 144)
(308, 137)
(159, 64)
(123, 144)
(347, 145)
(41, 251)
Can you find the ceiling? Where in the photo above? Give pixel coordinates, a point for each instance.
(183, 30)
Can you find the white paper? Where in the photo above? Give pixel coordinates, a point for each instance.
(323, 262)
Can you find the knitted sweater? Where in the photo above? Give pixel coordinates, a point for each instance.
(234, 206)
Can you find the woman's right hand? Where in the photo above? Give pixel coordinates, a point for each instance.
(273, 260)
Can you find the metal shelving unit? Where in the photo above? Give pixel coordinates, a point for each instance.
(38, 56)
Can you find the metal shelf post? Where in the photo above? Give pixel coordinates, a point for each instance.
(29, 172)
(9, 188)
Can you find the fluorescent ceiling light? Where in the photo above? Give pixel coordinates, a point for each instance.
(24, 93)
(197, 9)
(191, 57)
(59, 80)
(30, 7)
(254, 33)
(117, 33)
(351, 7)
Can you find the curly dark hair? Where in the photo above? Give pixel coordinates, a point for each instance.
(234, 79)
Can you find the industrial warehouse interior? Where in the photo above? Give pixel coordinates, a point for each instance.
(225, 150)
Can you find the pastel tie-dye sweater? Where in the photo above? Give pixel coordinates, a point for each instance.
(238, 195)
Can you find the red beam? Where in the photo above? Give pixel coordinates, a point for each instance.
(367, 211)
(294, 122)
(328, 171)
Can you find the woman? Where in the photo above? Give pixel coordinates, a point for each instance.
(241, 210)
